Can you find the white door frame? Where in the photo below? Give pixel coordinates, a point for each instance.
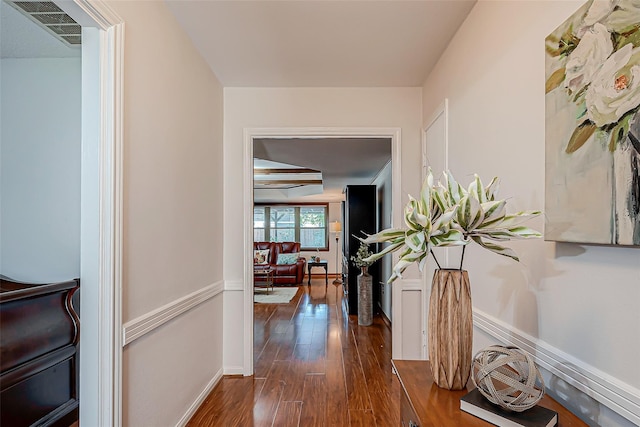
(101, 212)
(439, 143)
(329, 132)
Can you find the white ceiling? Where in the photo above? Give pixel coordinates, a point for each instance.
(298, 43)
(321, 43)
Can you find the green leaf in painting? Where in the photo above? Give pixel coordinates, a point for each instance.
(632, 36)
(564, 46)
(555, 80)
(614, 139)
(620, 130)
(581, 111)
(582, 133)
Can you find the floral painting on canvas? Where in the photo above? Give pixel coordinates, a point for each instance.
(592, 135)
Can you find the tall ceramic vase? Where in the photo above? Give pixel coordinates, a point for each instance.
(365, 298)
(450, 328)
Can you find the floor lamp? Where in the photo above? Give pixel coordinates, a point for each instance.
(336, 227)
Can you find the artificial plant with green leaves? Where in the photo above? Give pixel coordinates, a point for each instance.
(446, 214)
(362, 257)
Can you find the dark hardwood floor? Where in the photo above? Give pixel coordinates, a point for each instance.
(314, 366)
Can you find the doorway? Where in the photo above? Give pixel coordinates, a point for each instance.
(314, 135)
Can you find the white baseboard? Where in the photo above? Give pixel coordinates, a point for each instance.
(234, 370)
(134, 329)
(201, 397)
(606, 389)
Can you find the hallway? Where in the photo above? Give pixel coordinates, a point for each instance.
(314, 366)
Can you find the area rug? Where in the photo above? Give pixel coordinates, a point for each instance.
(275, 296)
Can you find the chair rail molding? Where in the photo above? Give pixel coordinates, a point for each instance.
(134, 329)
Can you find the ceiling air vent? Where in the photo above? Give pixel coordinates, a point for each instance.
(53, 19)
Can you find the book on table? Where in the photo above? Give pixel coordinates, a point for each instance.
(478, 405)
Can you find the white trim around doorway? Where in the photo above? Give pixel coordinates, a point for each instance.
(101, 212)
(313, 132)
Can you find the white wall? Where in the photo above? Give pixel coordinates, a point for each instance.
(578, 302)
(40, 169)
(173, 218)
(301, 107)
(383, 185)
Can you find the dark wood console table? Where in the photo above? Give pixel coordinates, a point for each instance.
(424, 404)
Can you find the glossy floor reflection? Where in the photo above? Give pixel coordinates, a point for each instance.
(314, 366)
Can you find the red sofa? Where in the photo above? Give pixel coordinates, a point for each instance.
(284, 274)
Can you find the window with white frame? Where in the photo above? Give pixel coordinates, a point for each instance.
(306, 224)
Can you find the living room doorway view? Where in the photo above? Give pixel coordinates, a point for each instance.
(310, 197)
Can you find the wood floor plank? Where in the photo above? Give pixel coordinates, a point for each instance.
(384, 406)
(260, 335)
(258, 384)
(337, 407)
(295, 376)
(364, 418)
(357, 394)
(314, 401)
(230, 403)
(318, 344)
(265, 360)
(288, 414)
(317, 366)
(314, 366)
(265, 407)
(287, 344)
(305, 331)
(334, 345)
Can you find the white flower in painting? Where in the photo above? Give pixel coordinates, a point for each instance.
(624, 17)
(598, 10)
(586, 59)
(615, 89)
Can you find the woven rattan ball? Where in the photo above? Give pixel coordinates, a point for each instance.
(508, 377)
